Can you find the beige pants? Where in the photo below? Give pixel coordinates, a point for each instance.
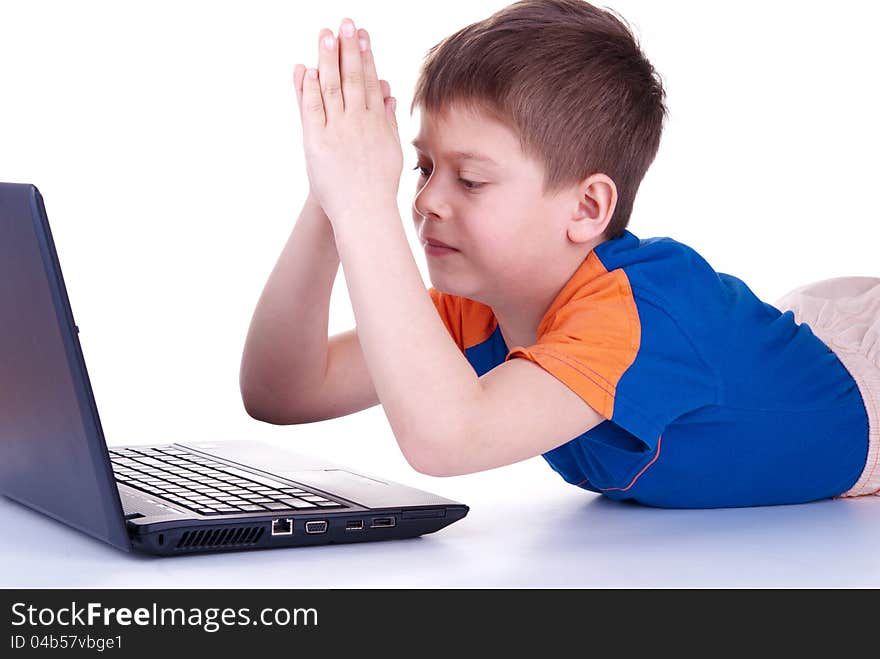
(845, 314)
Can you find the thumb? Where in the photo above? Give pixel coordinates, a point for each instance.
(390, 108)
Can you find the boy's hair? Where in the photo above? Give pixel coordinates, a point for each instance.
(569, 79)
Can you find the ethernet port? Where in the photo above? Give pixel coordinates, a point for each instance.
(282, 527)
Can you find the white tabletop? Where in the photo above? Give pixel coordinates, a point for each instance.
(526, 528)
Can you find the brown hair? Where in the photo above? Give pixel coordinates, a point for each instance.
(568, 78)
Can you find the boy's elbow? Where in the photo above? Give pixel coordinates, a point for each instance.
(257, 413)
(258, 410)
(253, 396)
(433, 460)
(252, 404)
(428, 467)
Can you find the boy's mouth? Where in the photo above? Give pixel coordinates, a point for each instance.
(437, 243)
(437, 249)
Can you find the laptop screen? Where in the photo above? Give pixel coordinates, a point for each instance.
(52, 452)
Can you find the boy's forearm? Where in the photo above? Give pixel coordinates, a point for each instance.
(286, 346)
(426, 385)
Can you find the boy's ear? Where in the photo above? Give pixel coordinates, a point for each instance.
(596, 200)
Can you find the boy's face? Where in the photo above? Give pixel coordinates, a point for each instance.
(493, 213)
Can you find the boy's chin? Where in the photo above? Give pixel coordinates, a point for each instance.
(447, 286)
(443, 284)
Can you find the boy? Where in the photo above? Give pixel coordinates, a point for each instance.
(630, 365)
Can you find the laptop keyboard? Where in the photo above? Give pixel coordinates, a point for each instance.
(209, 487)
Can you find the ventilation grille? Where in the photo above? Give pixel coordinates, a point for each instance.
(223, 536)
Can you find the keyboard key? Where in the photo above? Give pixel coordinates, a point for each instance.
(298, 503)
(252, 507)
(265, 480)
(276, 506)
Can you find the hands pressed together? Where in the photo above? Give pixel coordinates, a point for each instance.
(350, 136)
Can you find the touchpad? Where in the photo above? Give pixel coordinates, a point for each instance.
(346, 484)
(329, 476)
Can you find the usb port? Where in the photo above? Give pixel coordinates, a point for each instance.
(354, 525)
(317, 526)
(382, 523)
(282, 527)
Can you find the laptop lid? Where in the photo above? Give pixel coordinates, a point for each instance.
(53, 457)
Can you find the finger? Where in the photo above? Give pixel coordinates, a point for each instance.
(313, 115)
(351, 67)
(372, 89)
(328, 67)
(386, 88)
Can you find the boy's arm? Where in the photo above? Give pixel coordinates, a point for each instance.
(446, 420)
(522, 411)
(291, 372)
(288, 361)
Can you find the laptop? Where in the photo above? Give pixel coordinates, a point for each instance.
(169, 499)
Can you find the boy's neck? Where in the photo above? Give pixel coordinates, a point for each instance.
(513, 338)
(519, 318)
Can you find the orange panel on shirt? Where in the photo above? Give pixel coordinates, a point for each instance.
(469, 322)
(590, 335)
(587, 339)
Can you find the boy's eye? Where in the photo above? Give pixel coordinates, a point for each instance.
(470, 185)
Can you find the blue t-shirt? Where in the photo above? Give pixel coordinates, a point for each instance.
(712, 398)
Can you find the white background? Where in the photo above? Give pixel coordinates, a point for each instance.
(166, 141)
